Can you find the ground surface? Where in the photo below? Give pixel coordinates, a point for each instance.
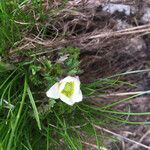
(105, 53)
(114, 37)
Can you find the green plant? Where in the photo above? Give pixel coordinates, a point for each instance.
(28, 119)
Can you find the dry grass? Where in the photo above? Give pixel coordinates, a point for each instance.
(105, 50)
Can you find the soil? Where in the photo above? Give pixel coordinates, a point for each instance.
(108, 55)
(114, 37)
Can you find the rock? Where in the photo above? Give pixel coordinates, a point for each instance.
(122, 8)
(146, 17)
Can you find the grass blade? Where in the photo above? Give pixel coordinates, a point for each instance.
(18, 116)
(36, 114)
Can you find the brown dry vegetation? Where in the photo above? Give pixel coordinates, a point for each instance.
(105, 50)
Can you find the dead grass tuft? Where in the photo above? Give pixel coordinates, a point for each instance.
(105, 49)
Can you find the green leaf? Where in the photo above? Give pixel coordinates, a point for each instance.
(36, 114)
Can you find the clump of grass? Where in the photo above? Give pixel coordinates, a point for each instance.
(28, 119)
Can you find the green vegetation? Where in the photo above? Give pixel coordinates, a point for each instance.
(28, 119)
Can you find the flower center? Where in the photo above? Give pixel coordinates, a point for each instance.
(68, 89)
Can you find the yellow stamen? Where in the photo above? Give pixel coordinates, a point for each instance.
(68, 89)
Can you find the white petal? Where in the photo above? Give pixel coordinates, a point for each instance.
(67, 79)
(53, 92)
(61, 86)
(70, 79)
(66, 100)
(77, 97)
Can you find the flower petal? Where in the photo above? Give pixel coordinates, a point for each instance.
(77, 97)
(67, 79)
(66, 100)
(53, 92)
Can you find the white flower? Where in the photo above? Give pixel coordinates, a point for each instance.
(68, 90)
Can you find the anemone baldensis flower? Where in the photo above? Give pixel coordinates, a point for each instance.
(68, 90)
